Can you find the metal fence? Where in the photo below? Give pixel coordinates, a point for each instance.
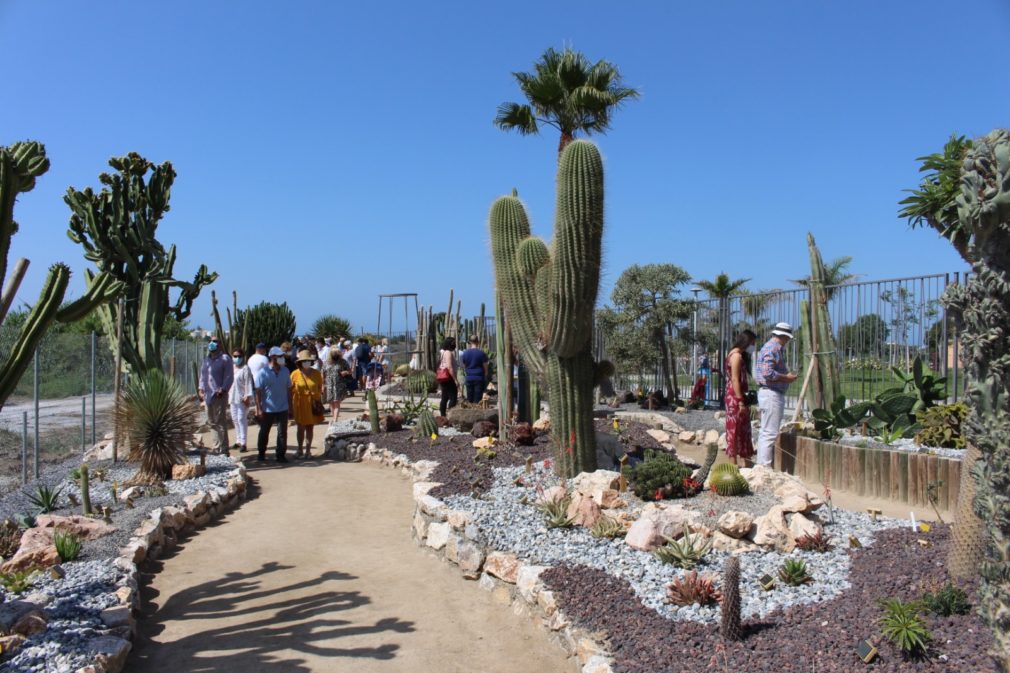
(877, 325)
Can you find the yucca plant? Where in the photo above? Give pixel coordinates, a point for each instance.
(684, 553)
(45, 498)
(556, 512)
(607, 527)
(159, 419)
(902, 625)
(794, 572)
(68, 545)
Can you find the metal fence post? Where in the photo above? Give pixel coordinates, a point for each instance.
(35, 397)
(24, 447)
(94, 384)
(84, 412)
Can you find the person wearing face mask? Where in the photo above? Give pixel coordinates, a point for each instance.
(240, 398)
(306, 401)
(213, 388)
(273, 400)
(739, 446)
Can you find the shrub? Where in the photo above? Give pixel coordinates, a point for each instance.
(693, 589)
(902, 625)
(68, 545)
(686, 553)
(942, 426)
(948, 600)
(160, 419)
(45, 498)
(660, 476)
(794, 572)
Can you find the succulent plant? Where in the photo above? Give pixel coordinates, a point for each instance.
(693, 589)
(730, 625)
(817, 334)
(607, 527)
(85, 486)
(728, 481)
(946, 600)
(942, 426)
(556, 512)
(902, 625)
(373, 411)
(711, 454)
(686, 553)
(68, 545)
(549, 296)
(661, 475)
(421, 382)
(794, 572)
(816, 542)
(425, 426)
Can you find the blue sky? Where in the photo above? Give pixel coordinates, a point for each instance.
(328, 152)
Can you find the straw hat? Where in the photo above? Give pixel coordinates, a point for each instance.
(304, 355)
(783, 329)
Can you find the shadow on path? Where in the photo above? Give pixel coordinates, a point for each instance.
(271, 627)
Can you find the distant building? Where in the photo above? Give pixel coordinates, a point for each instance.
(200, 334)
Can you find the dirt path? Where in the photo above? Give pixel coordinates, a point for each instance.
(318, 573)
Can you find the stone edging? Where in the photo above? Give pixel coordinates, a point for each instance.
(158, 533)
(452, 537)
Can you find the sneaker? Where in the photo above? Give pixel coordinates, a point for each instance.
(243, 449)
(261, 458)
(282, 459)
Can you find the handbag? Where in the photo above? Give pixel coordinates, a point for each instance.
(443, 375)
(317, 408)
(750, 398)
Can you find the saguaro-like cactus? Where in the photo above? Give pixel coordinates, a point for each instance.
(117, 228)
(730, 627)
(20, 165)
(967, 199)
(817, 335)
(550, 294)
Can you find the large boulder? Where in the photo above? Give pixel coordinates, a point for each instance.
(800, 526)
(523, 434)
(772, 530)
(658, 521)
(736, 524)
(723, 542)
(542, 424)
(643, 535)
(484, 429)
(464, 419)
(36, 550)
(593, 484)
(584, 511)
(81, 526)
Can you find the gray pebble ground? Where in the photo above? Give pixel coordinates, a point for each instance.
(74, 603)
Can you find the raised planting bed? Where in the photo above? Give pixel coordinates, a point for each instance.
(901, 476)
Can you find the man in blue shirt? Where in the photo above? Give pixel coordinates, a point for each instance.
(475, 362)
(774, 377)
(273, 400)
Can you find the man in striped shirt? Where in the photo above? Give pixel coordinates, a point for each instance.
(773, 377)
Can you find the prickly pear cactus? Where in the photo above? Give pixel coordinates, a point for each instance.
(550, 294)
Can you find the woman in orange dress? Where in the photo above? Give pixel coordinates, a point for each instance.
(306, 393)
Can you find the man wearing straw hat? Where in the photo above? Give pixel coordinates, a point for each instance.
(773, 377)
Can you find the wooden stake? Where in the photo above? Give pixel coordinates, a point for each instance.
(803, 390)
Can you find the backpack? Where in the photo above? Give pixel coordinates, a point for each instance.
(363, 353)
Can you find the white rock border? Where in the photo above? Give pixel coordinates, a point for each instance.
(159, 532)
(450, 536)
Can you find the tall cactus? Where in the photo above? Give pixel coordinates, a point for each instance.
(730, 627)
(966, 198)
(235, 336)
(818, 337)
(550, 295)
(20, 165)
(272, 324)
(117, 228)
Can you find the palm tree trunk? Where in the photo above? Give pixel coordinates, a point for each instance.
(566, 137)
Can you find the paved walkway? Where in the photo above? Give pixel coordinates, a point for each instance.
(317, 572)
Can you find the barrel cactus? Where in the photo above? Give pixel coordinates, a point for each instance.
(421, 382)
(549, 295)
(426, 427)
(726, 480)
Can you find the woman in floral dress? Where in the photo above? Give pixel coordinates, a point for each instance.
(739, 447)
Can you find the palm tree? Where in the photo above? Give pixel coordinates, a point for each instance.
(567, 92)
(836, 272)
(722, 288)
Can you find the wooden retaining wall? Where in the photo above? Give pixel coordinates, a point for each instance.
(879, 473)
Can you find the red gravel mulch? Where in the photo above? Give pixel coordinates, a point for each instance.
(817, 638)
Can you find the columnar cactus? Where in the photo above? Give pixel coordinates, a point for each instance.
(967, 200)
(85, 490)
(373, 411)
(817, 335)
(20, 165)
(117, 227)
(731, 628)
(550, 295)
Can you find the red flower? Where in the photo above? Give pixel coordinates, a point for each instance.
(659, 494)
(547, 464)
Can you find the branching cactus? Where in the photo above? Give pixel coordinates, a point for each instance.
(20, 165)
(117, 228)
(550, 294)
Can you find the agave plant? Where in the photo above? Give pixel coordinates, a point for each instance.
(686, 553)
(159, 419)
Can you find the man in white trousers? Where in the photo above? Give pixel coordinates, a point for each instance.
(239, 398)
(773, 377)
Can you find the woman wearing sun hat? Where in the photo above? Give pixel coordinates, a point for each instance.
(306, 393)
